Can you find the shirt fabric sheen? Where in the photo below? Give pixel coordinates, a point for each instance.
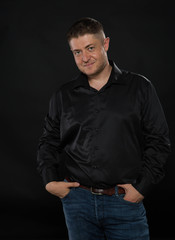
(112, 136)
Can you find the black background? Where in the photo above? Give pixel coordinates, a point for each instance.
(35, 61)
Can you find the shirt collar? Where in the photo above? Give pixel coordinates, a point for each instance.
(115, 77)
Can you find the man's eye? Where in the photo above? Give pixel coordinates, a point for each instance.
(91, 49)
(77, 53)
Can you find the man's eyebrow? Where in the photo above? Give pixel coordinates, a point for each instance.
(75, 50)
(89, 45)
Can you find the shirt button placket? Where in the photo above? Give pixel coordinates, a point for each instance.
(96, 130)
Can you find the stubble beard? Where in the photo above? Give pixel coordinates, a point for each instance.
(96, 72)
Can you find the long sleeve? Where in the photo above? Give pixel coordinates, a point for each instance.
(49, 146)
(156, 143)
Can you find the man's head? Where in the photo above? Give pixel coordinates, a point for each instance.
(85, 26)
(89, 46)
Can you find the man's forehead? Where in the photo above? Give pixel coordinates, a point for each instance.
(83, 41)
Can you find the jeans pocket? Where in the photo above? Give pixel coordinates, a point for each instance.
(121, 197)
(67, 195)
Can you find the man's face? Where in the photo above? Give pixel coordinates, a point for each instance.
(90, 53)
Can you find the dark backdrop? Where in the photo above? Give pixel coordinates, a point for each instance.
(35, 61)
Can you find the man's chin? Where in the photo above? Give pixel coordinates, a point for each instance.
(88, 73)
(91, 71)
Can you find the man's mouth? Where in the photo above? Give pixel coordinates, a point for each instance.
(88, 64)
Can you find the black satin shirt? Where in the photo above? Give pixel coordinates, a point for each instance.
(112, 136)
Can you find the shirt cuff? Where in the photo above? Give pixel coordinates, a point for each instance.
(50, 174)
(143, 185)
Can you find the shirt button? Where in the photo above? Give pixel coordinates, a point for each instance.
(94, 166)
(96, 110)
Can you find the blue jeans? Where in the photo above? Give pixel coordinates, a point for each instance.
(99, 217)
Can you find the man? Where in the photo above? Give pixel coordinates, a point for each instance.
(112, 129)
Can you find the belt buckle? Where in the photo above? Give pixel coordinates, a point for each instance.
(95, 193)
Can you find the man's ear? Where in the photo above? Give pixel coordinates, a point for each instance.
(106, 43)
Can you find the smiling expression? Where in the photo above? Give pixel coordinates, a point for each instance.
(90, 53)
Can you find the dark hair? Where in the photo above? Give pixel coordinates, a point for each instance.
(84, 26)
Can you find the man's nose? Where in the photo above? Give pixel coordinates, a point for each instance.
(85, 57)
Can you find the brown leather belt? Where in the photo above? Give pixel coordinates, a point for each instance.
(100, 191)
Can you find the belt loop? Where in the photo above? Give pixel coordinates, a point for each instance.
(116, 191)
